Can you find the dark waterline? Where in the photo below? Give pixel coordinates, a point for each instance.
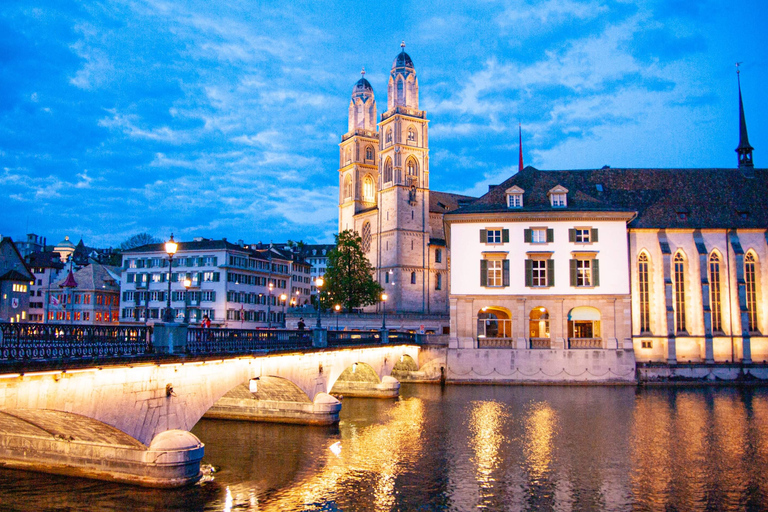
(468, 448)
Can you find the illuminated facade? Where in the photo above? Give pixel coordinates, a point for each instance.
(384, 193)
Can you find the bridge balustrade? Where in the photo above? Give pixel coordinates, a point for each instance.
(29, 341)
(344, 338)
(210, 341)
(402, 337)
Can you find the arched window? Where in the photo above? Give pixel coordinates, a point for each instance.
(388, 171)
(400, 92)
(493, 323)
(366, 245)
(749, 279)
(388, 137)
(368, 190)
(412, 169)
(714, 293)
(348, 187)
(411, 136)
(644, 292)
(413, 277)
(369, 153)
(538, 328)
(584, 327)
(679, 293)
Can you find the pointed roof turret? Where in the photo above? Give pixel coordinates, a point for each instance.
(744, 150)
(69, 282)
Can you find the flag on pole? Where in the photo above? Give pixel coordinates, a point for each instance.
(520, 135)
(54, 300)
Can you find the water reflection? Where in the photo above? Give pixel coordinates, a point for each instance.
(467, 448)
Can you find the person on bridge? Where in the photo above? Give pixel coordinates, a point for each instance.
(301, 324)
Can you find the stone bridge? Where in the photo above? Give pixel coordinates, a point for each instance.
(131, 422)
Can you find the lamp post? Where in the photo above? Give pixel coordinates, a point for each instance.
(384, 298)
(337, 307)
(319, 284)
(283, 298)
(170, 249)
(187, 284)
(298, 298)
(269, 306)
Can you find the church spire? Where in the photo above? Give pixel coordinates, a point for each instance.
(520, 159)
(744, 150)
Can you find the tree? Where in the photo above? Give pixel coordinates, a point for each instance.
(138, 240)
(349, 276)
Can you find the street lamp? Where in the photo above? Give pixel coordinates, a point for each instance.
(170, 249)
(337, 307)
(319, 284)
(269, 306)
(298, 298)
(187, 284)
(283, 298)
(384, 298)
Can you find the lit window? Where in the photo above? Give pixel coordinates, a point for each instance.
(494, 272)
(749, 280)
(679, 293)
(368, 189)
(714, 293)
(644, 293)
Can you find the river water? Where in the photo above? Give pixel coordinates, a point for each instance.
(467, 448)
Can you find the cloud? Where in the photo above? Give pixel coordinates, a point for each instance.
(127, 124)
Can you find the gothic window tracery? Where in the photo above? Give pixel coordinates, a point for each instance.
(368, 189)
(679, 268)
(348, 187)
(388, 137)
(388, 171)
(714, 293)
(750, 264)
(369, 153)
(411, 136)
(366, 245)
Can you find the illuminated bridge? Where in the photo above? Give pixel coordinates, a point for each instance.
(117, 403)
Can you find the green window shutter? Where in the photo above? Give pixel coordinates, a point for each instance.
(215, 261)
(550, 235)
(483, 236)
(216, 277)
(483, 273)
(550, 272)
(595, 273)
(527, 236)
(505, 273)
(505, 235)
(593, 235)
(574, 273)
(528, 273)
(571, 235)
(213, 296)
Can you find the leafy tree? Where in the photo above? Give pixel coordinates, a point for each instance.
(349, 276)
(138, 240)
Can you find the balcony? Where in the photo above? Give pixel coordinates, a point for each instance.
(579, 343)
(540, 343)
(495, 342)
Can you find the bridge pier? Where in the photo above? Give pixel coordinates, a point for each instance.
(361, 380)
(73, 445)
(275, 400)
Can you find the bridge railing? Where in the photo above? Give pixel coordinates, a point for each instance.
(402, 337)
(343, 338)
(209, 341)
(30, 341)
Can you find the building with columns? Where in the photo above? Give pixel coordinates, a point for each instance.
(384, 193)
(657, 265)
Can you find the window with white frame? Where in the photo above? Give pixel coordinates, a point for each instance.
(515, 201)
(494, 271)
(582, 235)
(539, 235)
(584, 271)
(494, 236)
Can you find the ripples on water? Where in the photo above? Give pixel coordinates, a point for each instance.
(467, 448)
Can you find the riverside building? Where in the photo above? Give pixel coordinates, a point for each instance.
(235, 285)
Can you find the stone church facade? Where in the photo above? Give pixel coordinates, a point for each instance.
(384, 193)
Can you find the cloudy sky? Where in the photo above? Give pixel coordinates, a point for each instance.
(222, 119)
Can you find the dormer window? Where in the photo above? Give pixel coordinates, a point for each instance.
(514, 197)
(558, 197)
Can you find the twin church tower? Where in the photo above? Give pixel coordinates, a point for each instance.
(384, 193)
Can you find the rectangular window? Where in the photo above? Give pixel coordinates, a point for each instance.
(584, 272)
(582, 235)
(494, 236)
(558, 200)
(714, 293)
(515, 201)
(644, 292)
(438, 255)
(439, 282)
(494, 273)
(749, 281)
(539, 236)
(539, 273)
(646, 344)
(679, 294)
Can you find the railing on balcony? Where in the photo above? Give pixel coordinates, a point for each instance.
(209, 341)
(483, 342)
(540, 343)
(585, 343)
(29, 342)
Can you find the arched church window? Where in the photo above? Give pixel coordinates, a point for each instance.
(366, 245)
(411, 136)
(368, 189)
(348, 187)
(400, 92)
(644, 292)
(412, 168)
(388, 171)
(714, 293)
(750, 274)
(369, 153)
(388, 137)
(679, 293)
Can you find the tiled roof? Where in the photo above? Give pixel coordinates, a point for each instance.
(258, 251)
(95, 277)
(662, 198)
(443, 202)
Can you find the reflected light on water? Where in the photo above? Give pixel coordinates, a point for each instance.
(540, 432)
(336, 448)
(487, 420)
(228, 501)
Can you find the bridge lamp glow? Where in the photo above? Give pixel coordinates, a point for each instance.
(170, 248)
(384, 298)
(354, 367)
(319, 282)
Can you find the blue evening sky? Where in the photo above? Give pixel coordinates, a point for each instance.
(222, 119)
